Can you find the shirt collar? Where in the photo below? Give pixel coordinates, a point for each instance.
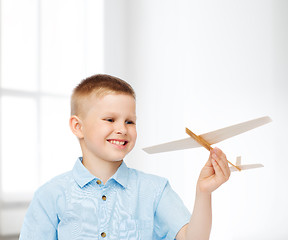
(122, 175)
(82, 175)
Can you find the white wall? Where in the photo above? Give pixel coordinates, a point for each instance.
(207, 65)
(115, 38)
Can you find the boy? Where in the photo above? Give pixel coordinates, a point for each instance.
(101, 198)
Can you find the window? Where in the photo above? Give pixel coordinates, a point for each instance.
(47, 47)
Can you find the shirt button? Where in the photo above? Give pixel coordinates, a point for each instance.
(104, 198)
(98, 182)
(103, 234)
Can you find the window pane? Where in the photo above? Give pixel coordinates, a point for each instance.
(72, 43)
(19, 145)
(19, 25)
(63, 45)
(59, 147)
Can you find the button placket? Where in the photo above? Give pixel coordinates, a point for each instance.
(103, 198)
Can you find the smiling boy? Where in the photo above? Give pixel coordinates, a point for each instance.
(101, 198)
(104, 148)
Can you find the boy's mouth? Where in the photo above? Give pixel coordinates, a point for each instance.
(117, 142)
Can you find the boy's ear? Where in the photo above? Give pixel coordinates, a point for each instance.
(76, 126)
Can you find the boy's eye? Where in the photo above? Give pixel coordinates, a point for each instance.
(129, 122)
(109, 120)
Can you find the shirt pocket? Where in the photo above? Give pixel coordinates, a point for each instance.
(70, 227)
(135, 229)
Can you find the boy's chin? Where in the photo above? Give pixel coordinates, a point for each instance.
(115, 160)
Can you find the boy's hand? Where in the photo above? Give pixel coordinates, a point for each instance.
(215, 172)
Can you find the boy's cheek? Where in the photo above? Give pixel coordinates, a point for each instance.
(133, 133)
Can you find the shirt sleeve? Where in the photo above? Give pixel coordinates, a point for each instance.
(171, 214)
(41, 219)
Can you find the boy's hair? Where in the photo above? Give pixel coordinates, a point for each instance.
(98, 85)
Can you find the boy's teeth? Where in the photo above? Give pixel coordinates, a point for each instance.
(117, 142)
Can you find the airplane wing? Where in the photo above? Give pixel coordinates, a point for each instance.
(211, 137)
(173, 146)
(245, 167)
(224, 133)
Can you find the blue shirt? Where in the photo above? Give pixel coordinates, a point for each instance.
(131, 205)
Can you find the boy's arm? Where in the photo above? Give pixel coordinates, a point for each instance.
(215, 172)
(41, 220)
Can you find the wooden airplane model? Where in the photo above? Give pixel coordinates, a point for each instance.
(210, 138)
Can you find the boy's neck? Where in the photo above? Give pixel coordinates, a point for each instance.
(101, 169)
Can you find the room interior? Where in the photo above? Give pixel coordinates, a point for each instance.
(197, 64)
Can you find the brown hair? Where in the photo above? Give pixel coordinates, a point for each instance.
(99, 85)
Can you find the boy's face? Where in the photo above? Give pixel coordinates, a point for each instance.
(108, 127)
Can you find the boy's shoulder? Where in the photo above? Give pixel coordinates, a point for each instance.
(145, 175)
(136, 179)
(56, 185)
(146, 179)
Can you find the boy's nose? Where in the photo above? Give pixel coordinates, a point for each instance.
(121, 129)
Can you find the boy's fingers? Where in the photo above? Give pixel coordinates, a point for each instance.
(221, 159)
(209, 163)
(217, 168)
(222, 156)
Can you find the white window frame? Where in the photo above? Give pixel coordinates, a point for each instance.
(12, 208)
(38, 94)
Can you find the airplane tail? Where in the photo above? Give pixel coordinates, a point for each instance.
(244, 167)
